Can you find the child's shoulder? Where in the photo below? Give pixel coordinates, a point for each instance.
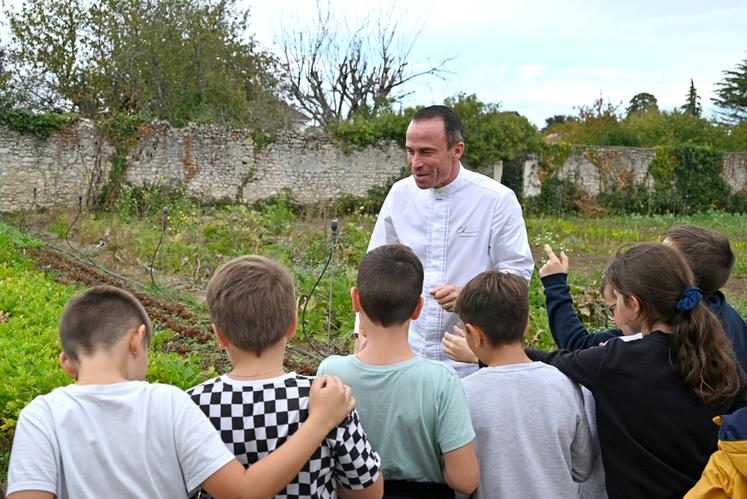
(733, 426)
(104, 397)
(435, 367)
(333, 363)
(547, 372)
(534, 372)
(222, 383)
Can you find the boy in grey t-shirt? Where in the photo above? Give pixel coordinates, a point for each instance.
(533, 437)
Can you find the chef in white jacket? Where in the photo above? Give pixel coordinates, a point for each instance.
(458, 222)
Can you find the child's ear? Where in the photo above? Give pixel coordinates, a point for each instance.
(635, 303)
(355, 297)
(292, 329)
(473, 332)
(68, 365)
(137, 341)
(418, 309)
(219, 338)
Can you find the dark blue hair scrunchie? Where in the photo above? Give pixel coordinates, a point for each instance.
(689, 298)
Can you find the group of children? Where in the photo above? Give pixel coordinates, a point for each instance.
(602, 417)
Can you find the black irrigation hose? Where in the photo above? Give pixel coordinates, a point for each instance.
(304, 336)
(164, 218)
(70, 227)
(315, 356)
(81, 258)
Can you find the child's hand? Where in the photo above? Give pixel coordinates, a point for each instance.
(455, 346)
(330, 401)
(553, 265)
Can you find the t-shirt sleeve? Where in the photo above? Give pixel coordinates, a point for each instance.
(357, 465)
(322, 369)
(567, 329)
(582, 450)
(454, 425)
(34, 456)
(582, 366)
(200, 450)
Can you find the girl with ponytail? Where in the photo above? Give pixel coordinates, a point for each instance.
(656, 397)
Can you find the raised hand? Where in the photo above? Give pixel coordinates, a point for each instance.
(554, 265)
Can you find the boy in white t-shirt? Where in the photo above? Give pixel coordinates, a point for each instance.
(111, 434)
(515, 404)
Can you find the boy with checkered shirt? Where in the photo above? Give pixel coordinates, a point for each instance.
(414, 409)
(256, 406)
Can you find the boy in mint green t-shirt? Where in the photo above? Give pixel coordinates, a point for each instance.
(414, 410)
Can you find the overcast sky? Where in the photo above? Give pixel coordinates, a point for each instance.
(542, 58)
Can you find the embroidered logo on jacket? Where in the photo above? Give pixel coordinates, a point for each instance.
(464, 231)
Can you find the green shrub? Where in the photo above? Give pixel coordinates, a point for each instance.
(557, 196)
(123, 130)
(142, 201)
(491, 134)
(40, 125)
(363, 131)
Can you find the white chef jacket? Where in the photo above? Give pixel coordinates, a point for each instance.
(471, 225)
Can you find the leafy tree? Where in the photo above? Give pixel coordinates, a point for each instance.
(738, 137)
(179, 60)
(334, 73)
(596, 124)
(49, 43)
(492, 134)
(675, 128)
(557, 119)
(5, 89)
(643, 101)
(731, 93)
(692, 104)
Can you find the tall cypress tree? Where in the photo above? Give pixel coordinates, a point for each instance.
(692, 103)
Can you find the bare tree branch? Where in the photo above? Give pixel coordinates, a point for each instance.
(333, 73)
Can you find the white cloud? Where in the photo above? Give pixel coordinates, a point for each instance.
(530, 71)
(604, 73)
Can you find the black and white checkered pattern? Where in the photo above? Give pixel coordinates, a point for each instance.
(255, 418)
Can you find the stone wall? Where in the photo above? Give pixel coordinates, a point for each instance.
(215, 163)
(49, 172)
(598, 168)
(734, 170)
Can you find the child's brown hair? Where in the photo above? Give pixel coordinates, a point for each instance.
(252, 302)
(98, 318)
(658, 276)
(390, 282)
(498, 303)
(708, 253)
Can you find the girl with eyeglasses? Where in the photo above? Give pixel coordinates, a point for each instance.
(656, 396)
